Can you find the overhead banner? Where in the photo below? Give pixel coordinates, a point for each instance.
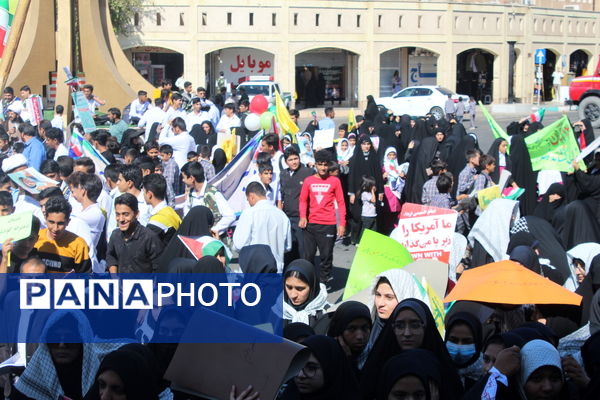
(425, 231)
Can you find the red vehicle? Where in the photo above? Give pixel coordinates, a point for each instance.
(585, 92)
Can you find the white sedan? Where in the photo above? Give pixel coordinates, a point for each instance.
(421, 100)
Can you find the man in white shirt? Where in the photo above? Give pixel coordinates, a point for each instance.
(153, 115)
(203, 194)
(176, 110)
(228, 120)
(86, 189)
(57, 121)
(182, 143)
(263, 223)
(196, 116)
(54, 140)
(138, 107)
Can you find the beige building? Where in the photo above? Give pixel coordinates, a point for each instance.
(346, 50)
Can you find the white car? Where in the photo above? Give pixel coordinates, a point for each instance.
(265, 86)
(421, 100)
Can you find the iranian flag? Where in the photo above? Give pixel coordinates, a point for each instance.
(537, 116)
(7, 13)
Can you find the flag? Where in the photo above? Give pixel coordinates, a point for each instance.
(537, 116)
(79, 147)
(554, 147)
(200, 245)
(283, 117)
(351, 120)
(6, 18)
(233, 179)
(512, 193)
(497, 131)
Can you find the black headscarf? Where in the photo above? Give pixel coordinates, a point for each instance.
(577, 224)
(416, 362)
(206, 264)
(546, 209)
(197, 222)
(420, 131)
(417, 175)
(525, 256)
(455, 134)
(387, 346)
(458, 158)
(297, 331)
(475, 326)
(202, 138)
(138, 369)
(372, 110)
(339, 380)
(309, 274)
(407, 132)
(257, 259)
(494, 151)
(347, 312)
(586, 289)
(361, 165)
(523, 174)
(219, 160)
(590, 352)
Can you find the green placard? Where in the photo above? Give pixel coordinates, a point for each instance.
(376, 253)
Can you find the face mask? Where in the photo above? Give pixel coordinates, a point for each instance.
(460, 353)
(15, 194)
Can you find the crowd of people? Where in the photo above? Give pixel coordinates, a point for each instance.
(160, 160)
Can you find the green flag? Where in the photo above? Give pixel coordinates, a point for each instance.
(497, 131)
(376, 253)
(554, 147)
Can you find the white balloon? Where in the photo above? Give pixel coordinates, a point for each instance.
(252, 122)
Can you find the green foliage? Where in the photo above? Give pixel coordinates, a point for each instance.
(121, 14)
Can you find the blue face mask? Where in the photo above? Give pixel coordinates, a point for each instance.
(460, 353)
(15, 194)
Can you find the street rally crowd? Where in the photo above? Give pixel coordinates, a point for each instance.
(162, 156)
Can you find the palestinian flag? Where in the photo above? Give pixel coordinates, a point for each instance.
(537, 116)
(201, 246)
(512, 193)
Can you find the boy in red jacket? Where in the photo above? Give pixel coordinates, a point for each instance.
(317, 206)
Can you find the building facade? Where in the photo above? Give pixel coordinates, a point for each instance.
(342, 51)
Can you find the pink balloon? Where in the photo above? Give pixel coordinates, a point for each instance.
(259, 104)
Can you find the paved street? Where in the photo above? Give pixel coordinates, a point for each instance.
(343, 255)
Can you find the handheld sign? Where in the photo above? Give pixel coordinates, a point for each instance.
(15, 226)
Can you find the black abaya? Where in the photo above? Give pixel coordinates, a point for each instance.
(523, 174)
(417, 175)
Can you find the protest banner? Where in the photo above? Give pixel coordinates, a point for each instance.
(554, 147)
(31, 180)
(376, 253)
(208, 370)
(497, 130)
(82, 111)
(426, 232)
(15, 226)
(323, 139)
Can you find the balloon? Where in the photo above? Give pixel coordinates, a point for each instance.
(266, 119)
(252, 122)
(259, 104)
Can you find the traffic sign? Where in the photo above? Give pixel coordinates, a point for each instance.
(540, 56)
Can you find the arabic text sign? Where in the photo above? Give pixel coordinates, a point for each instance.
(554, 147)
(425, 231)
(238, 62)
(15, 226)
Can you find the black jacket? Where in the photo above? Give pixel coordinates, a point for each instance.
(291, 185)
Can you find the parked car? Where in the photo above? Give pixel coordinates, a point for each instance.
(421, 100)
(264, 85)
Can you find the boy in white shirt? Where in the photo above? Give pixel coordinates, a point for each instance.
(86, 189)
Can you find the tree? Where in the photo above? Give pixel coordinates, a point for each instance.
(122, 12)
